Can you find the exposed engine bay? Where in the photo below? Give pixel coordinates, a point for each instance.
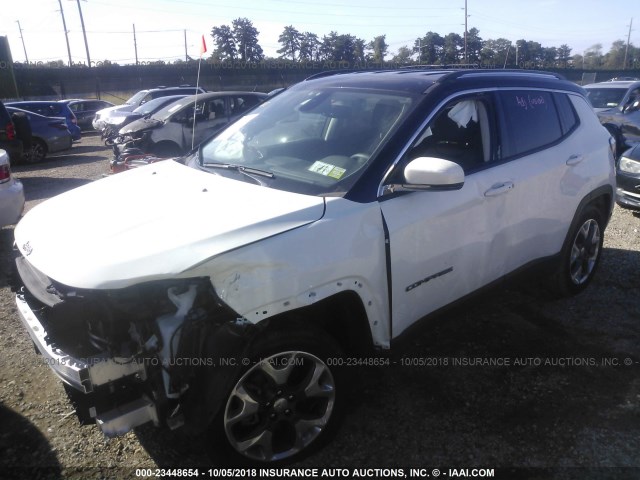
(134, 355)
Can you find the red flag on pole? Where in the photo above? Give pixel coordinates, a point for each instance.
(203, 46)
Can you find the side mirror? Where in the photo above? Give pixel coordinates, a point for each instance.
(430, 173)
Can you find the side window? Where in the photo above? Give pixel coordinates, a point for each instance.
(567, 114)
(147, 97)
(40, 109)
(460, 132)
(216, 109)
(241, 104)
(530, 121)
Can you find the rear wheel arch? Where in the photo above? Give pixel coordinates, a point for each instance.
(591, 215)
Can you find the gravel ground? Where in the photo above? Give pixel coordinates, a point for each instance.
(564, 403)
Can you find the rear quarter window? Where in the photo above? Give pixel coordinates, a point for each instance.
(567, 114)
(530, 121)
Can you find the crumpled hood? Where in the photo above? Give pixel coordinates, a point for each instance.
(116, 109)
(151, 223)
(123, 117)
(141, 124)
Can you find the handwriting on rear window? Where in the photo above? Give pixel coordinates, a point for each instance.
(530, 101)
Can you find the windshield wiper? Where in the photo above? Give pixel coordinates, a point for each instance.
(240, 168)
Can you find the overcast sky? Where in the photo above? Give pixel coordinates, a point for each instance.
(160, 24)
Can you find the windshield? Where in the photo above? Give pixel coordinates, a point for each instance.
(311, 141)
(605, 97)
(156, 104)
(135, 100)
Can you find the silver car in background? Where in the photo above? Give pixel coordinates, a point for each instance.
(617, 104)
(11, 193)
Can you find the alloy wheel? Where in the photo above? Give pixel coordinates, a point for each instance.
(279, 406)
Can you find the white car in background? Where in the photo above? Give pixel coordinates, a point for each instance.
(140, 98)
(11, 193)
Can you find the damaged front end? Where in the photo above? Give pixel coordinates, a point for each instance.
(155, 352)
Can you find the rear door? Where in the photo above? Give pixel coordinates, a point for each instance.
(539, 157)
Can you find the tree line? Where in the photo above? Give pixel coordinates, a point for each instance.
(239, 42)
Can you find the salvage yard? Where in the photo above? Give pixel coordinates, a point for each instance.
(513, 379)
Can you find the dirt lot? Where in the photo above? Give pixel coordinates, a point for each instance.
(563, 401)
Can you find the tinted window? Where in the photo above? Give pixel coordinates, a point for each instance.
(242, 103)
(567, 114)
(530, 121)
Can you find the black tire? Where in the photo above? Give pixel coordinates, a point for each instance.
(165, 150)
(284, 407)
(36, 152)
(581, 254)
(23, 129)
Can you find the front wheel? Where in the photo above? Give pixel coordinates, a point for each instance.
(581, 254)
(285, 403)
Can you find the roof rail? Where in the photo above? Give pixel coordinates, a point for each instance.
(326, 73)
(504, 72)
(446, 66)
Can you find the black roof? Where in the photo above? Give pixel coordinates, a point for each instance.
(416, 80)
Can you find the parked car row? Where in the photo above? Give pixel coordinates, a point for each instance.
(117, 120)
(101, 117)
(178, 127)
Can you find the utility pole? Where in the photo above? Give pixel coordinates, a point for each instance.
(186, 57)
(66, 33)
(22, 38)
(626, 50)
(466, 58)
(135, 44)
(84, 34)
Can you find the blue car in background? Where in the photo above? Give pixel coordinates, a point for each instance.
(52, 109)
(48, 135)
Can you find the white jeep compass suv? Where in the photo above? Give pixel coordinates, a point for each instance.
(224, 290)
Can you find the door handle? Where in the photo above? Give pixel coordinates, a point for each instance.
(499, 189)
(574, 159)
